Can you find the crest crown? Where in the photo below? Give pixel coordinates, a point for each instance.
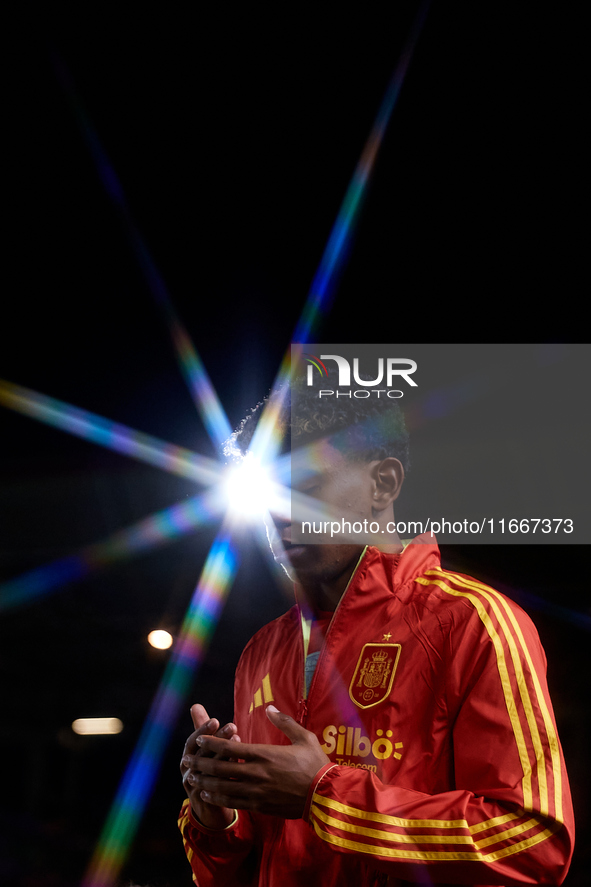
(380, 656)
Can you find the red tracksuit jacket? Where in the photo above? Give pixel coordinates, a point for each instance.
(430, 699)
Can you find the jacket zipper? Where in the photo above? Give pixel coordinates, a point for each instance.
(303, 711)
(303, 703)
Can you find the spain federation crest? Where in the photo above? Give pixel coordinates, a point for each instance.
(374, 675)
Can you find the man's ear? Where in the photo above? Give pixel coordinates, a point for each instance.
(388, 477)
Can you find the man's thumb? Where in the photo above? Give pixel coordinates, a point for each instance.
(287, 725)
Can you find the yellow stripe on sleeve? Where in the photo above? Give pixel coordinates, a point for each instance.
(508, 833)
(392, 852)
(386, 819)
(505, 683)
(524, 845)
(429, 855)
(398, 838)
(553, 745)
(497, 820)
(550, 731)
(184, 812)
(521, 683)
(392, 837)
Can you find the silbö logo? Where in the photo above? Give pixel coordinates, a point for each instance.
(347, 743)
(388, 369)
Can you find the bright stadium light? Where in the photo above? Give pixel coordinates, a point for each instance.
(95, 726)
(160, 639)
(248, 488)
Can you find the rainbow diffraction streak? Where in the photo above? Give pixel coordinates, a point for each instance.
(141, 772)
(191, 365)
(153, 531)
(265, 443)
(106, 433)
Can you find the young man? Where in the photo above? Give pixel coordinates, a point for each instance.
(395, 724)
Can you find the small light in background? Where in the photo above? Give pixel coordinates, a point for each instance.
(93, 726)
(160, 639)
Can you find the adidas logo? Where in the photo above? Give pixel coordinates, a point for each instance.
(263, 694)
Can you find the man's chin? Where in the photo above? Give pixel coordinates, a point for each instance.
(293, 555)
(309, 563)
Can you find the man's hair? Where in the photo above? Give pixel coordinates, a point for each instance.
(363, 429)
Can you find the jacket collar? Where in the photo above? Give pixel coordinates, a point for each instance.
(419, 554)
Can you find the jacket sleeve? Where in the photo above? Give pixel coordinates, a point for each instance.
(223, 857)
(508, 819)
(220, 857)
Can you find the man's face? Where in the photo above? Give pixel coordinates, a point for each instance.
(324, 474)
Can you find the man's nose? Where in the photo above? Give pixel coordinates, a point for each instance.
(281, 522)
(280, 511)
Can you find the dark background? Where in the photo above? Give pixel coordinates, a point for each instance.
(234, 132)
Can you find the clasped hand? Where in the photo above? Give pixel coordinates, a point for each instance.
(273, 779)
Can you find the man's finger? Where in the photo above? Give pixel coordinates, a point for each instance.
(221, 799)
(228, 794)
(225, 769)
(199, 715)
(209, 726)
(228, 748)
(190, 745)
(193, 762)
(227, 731)
(287, 725)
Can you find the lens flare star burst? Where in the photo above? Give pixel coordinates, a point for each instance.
(252, 487)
